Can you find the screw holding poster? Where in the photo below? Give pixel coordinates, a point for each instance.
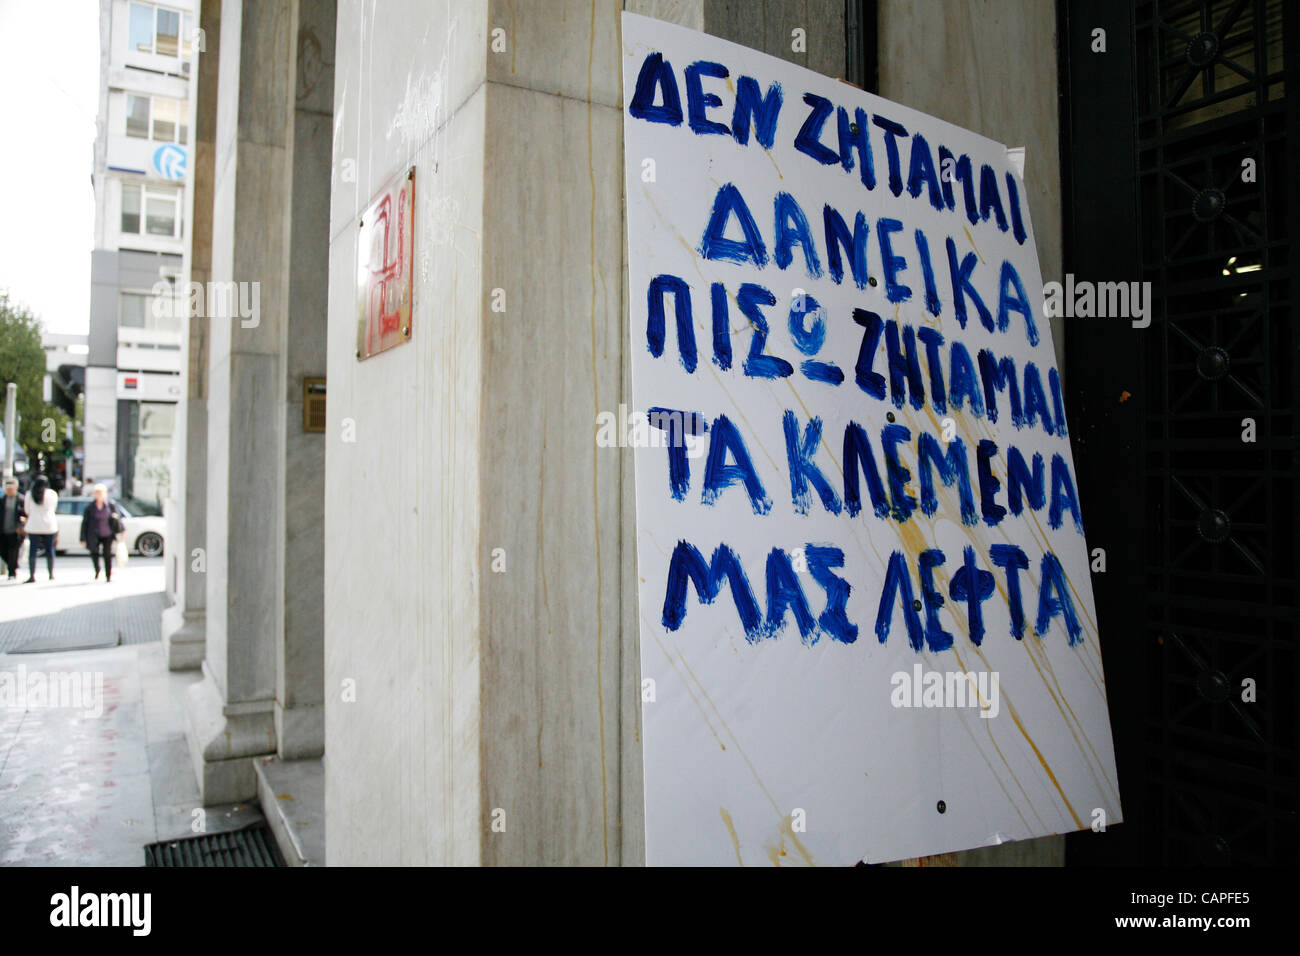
(766, 620)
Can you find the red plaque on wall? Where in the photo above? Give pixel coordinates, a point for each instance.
(385, 262)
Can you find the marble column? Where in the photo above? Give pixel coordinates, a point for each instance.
(230, 712)
(183, 622)
(300, 650)
(481, 651)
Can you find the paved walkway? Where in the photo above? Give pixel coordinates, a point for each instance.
(75, 610)
(93, 758)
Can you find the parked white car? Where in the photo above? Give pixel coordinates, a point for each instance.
(144, 533)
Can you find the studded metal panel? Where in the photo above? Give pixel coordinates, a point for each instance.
(1220, 563)
(1212, 437)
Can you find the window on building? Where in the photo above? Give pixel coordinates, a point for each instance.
(154, 29)
(137, 116)
(155, 208)
(144, 310)
(148, 440)
(141, 28)
(168, 38)
(157, 118)
(131, 209)
(161, 215)
(167, 127)
(133, 310)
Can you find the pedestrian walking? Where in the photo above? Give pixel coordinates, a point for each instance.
(42, 526)
(12, 519)
(100, 524)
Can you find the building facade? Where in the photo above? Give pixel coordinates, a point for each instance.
(142, 150)
(336, 588)
(443, 605)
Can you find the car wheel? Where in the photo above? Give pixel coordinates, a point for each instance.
(149, 544)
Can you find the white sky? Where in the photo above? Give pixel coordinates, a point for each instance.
(49, 95)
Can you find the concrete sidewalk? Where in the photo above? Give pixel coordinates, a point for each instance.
(93, 758)
(76, 610)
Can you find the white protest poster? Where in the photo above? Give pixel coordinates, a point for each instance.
(866, 614)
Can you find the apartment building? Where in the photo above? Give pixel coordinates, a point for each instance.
(142, 151)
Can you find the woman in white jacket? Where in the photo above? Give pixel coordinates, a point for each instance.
(42, 525)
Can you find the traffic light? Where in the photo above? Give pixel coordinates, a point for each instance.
(67, 382)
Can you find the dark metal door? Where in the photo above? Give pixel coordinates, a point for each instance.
(1180, 152)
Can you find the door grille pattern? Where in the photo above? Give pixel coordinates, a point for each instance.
(1218, 362)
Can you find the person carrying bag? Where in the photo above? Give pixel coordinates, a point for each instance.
(101, 526)
(120, 550)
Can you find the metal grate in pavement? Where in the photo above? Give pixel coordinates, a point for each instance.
(133, 619)
(252, 846)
